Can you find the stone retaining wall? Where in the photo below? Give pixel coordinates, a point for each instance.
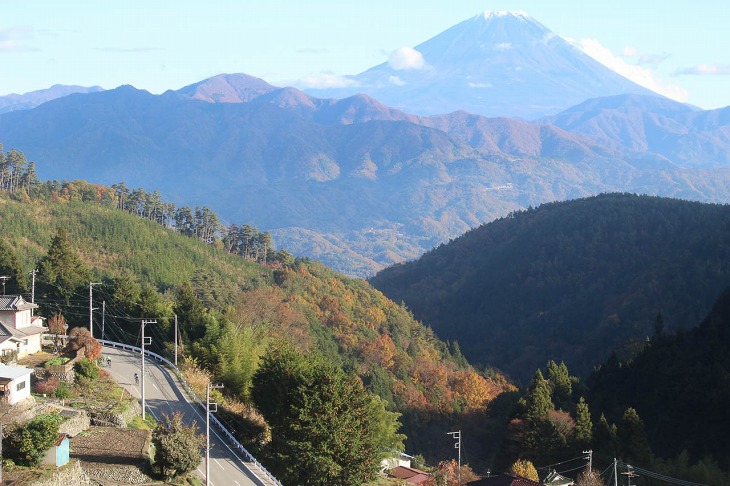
(71, 473)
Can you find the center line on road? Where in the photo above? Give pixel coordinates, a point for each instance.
(219, 464)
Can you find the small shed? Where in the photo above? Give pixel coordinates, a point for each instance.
(14, 384)
(58, 454)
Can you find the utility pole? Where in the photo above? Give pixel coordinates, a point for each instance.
(1, 453)
(103, 316)
(457, 437)
(175, 339)
(630, 473)
(145, 341)
(590, 459)
(615, 476)
(91, 308)
(32, 291)
(208, 410)
(4, 278)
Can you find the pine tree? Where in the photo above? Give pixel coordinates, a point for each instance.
(632, 439)
(62, 275)
(10, 267)
(538, 399)
(583, 427)
(326, 429)
(560, 384)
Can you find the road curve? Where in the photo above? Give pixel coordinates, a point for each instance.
(164, 395)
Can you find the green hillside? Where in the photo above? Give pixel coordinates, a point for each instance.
(232, 310)
(569, 281)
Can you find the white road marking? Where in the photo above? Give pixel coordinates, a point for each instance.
(219, 464)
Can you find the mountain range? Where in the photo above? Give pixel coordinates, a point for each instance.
(362, 185)
(497, 63)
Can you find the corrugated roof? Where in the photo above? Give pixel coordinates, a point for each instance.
(13, 372)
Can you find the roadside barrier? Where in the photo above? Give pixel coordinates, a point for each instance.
(213, 419)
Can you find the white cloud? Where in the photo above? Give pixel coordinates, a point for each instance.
(503, 46)
(705, 70)
(396, 81)
(406, 58)
(479, 85)
(640, 75)
(326, 80)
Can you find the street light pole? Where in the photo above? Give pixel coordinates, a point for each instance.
(91, 307)
(145, 341)
(207, 427)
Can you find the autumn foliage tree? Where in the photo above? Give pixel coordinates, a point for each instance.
(524, 469)
(81, 338)
(57, 325)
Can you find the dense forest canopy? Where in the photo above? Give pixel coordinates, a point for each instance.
(569, 281)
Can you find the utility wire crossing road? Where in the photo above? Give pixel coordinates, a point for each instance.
(164, 395)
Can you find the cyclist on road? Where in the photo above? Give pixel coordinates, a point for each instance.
(136, 378)
(108, 362)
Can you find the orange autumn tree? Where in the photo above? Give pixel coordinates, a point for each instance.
(81, 338)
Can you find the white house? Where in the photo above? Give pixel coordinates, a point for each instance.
(14, 384)
(20, 330)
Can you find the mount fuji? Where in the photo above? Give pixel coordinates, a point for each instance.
(497, 63)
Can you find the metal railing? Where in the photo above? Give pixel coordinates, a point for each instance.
(214, 420)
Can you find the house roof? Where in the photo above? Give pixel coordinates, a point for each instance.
(61, 437)
(409, 474)
(10, 332)
(503, 480)
(13, 372)
(15, 303)
(556, 479)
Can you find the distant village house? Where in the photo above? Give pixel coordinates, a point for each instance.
(20, 330)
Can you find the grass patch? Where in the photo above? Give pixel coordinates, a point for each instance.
(58, 361)
(148, 423)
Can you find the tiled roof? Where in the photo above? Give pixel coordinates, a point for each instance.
(15, 302)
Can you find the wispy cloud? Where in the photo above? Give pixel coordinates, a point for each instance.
(503, 46)
(705, 70)
(395, 80)
(11, 39)
(643, 59)
(325, 80)
(479, 85)
(128, 50)
(406, 58)
(642, 75)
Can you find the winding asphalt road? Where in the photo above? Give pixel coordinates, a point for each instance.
(163, 395)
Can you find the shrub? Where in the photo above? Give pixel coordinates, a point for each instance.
(87, 368)
(177, 446)
(47, 387)
(62, 392)
(38, 435)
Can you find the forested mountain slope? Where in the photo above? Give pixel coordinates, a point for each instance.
(237, 307)
(679, 384)
(569, 281)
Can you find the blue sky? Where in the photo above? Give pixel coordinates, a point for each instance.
(675, 47)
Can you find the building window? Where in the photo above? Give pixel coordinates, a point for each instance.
(21, 385)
